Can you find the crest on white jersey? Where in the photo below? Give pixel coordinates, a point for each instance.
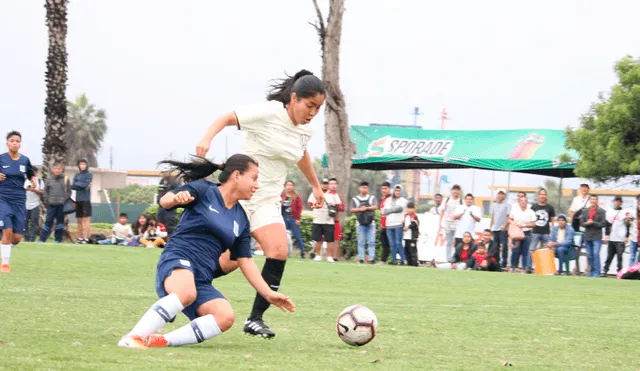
(304, 140)
(236, 228)
(23, 169)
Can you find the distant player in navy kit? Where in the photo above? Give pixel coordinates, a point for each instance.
(15, 174)
(212, 239)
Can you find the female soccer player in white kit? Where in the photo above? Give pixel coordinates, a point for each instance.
(277, 137)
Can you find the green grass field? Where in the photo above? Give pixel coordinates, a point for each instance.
(64, 307)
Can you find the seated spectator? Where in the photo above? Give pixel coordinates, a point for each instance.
(561, 240)
(489, 258)
(121, 233)
(140, 226)
(462, 256)
(155, 234)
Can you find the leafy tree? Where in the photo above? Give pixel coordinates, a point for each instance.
(87, 128)
(608, 140)
(134, 194)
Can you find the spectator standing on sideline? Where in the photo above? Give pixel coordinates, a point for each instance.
(316, 251)
(437, 209)
(394, 209)
(579, 202)
(385, 192)
(467, 216)
(82, 185)
(634, 231)
(523, 217)
(499, 220)
(334, 248)
(34, 197)
(168, 183)
(545, 217)
(55, 195)
(411, 228)
(618, 237)
(448, 222)
(364, 206)
(324, 223)
(561, 240)
(593, 219)
(292, 213)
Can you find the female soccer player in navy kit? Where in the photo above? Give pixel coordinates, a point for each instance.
(15, 170)
(212, 223)
(277, 136)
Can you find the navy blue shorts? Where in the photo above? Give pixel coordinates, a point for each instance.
(13, 216)
(205, 291)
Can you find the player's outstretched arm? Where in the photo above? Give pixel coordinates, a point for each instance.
(228, 119)
(251, 272)
(171, 200)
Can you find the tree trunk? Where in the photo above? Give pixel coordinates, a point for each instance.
(55, 108)
(54, 148)
(338, 144)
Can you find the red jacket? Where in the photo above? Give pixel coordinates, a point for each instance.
(479, 258)
(383, 218)
(296, 206)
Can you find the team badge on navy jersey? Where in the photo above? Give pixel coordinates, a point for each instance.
(23, 169)
(236, 228)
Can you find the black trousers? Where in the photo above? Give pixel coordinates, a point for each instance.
(168, 218)
(411, 252)
(384, 241)
(614, 248)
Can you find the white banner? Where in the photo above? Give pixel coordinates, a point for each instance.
(432, 242)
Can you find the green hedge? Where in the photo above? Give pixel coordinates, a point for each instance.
(349, 244)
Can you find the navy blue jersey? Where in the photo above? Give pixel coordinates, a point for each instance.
(17, 171)
(207, 229)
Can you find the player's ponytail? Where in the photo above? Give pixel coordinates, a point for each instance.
(303, 83)
(200, 167)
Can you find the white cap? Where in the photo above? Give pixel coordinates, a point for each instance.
(502, 190)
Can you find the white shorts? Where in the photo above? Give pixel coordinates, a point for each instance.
(263, 213)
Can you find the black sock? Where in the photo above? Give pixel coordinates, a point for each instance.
(272, 274)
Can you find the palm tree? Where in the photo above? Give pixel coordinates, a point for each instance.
(87, 128)
(54, 148)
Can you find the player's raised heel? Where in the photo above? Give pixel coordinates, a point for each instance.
(258, 328)
(132, 342)
(5, 268)
(157, 341)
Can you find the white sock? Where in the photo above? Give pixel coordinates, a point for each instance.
(5, 250)
(158, 315)
(199, 330)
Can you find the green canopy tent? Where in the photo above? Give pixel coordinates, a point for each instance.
(533, 151)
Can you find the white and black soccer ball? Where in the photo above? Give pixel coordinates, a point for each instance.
(357, 325)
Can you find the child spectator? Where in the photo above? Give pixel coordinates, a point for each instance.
(121, 233)
(480, 258)
(410, 235)
(154, 235)
(55, 195)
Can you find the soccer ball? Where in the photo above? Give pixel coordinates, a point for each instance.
(357, 325)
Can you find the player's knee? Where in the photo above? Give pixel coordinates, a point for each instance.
(225, 320)
(187, 297)
(16, 239)
(278, 252)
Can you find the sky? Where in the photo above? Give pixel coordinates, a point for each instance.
(164, 70)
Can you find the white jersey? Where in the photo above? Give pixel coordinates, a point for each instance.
(277, 144)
